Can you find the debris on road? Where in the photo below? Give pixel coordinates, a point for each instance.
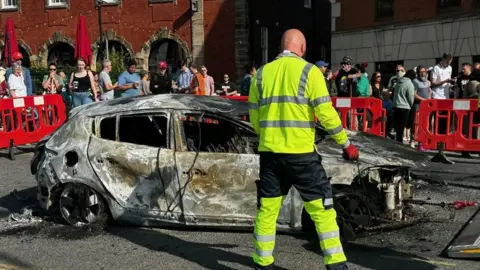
(25, 216)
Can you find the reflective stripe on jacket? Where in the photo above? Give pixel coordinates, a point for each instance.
(284, 95)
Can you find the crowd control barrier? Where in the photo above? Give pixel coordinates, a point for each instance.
(459, 134)
(27, 120)
(366, 114)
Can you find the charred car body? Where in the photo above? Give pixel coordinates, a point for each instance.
(191, 160)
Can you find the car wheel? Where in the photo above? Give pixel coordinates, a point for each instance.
(81, 205)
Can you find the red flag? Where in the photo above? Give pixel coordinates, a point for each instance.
(11, 45)
(82, 43)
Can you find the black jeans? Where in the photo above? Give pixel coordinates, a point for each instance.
(401, 118)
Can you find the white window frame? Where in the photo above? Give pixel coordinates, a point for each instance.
(9, 6)
(307, 3)
(50, 3)
(111, 2)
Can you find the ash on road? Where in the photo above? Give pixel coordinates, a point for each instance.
(50, 245)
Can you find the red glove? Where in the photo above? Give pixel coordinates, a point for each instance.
(350, 153)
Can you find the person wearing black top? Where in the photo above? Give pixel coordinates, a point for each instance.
(463, 78)
(346, 78)
(227, 88)
(376, 84)
(162, 82)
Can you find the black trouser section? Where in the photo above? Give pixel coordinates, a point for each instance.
(278, 172)
(442, 122)
(401, 117)
(9, 126)
(360, 119)
(389, 124)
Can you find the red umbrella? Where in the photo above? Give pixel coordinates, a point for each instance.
(82, 43)
(11, 45)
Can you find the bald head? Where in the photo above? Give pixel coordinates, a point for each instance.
(294, 41)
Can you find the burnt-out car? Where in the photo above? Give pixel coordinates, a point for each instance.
(192, 161)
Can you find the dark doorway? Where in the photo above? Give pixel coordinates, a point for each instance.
(26, 57)
(62, 54)
(167, 50)
(113, 47)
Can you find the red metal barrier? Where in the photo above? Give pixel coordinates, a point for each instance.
(369, 110)
(454, 113)
(29, 119)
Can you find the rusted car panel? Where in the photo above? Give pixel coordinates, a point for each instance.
(175, 185)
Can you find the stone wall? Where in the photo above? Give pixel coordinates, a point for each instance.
(415, 44)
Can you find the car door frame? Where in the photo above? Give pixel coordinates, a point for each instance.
(159, 214)
(219, 219)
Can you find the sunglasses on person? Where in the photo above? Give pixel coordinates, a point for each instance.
(378, 76)
(400, 70)
(53, 69)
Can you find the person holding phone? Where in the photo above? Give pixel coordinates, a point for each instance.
(441, 83)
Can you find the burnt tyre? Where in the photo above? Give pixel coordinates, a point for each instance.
(81, 205)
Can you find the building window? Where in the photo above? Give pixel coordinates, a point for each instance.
(446, 4)
(264, 44)
(307, 3)
(57, 2)
(9, 4)
(111, 1)
(384, 9)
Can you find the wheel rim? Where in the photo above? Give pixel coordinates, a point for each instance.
(80, 205)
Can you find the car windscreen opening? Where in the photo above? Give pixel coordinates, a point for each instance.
(217, 135)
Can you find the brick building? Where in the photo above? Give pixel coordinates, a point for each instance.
(387, 32)
(221, 34)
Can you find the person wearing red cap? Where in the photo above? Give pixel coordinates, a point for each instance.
(17, 58)
(161, 82)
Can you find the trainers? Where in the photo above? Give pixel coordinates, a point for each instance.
(420, 148)
(412, 144)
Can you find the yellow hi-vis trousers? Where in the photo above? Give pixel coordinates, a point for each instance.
(325, 223)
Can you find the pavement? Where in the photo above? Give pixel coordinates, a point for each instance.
(51, 245)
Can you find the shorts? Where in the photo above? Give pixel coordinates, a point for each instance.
(279, 172)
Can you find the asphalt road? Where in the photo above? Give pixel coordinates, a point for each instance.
(47, 245)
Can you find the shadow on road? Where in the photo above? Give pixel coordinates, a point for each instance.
(17, 151)
(7, 260)
(378, 258)
(16, 200)
(205, 255)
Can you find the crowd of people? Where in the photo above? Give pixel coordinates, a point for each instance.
(405, 90)
(84, 86)
(401, 97)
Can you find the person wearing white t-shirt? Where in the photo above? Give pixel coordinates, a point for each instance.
(442, 78)
(441, 82)
(16, 82)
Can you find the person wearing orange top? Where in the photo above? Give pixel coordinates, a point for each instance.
(197, 85)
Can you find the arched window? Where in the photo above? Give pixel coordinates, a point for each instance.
(167, 50)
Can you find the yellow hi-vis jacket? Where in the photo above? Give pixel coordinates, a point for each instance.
(284, 94)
